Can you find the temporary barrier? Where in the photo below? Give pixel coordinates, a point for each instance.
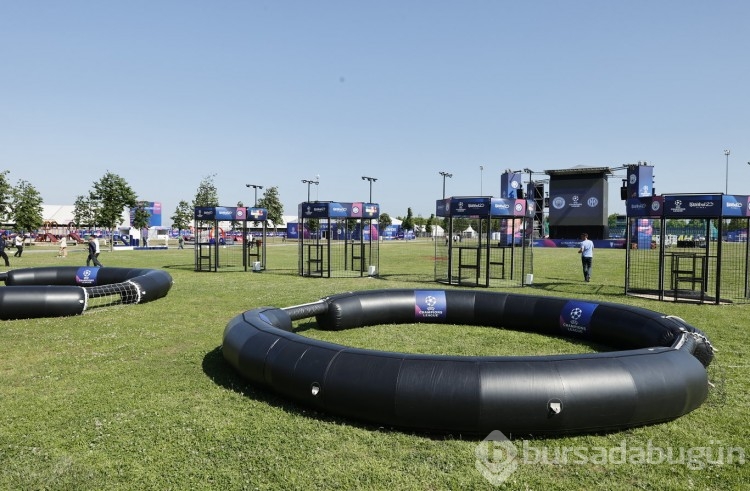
(477, 394)
(70, 290)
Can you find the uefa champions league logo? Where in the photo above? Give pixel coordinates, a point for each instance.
(430, 301)
(575, 314)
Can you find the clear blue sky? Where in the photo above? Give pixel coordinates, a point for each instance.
(164, 93)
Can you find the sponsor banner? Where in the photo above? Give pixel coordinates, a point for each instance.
(86, 276)
(640, 181)
(575, 317)
(598, 244)
(503, 207)
(205, 213)
(371, 210)
(292, 230)
(257, 214)
(442, 207)
(685, 206)
(313, 210)
(510, 185)
(470, 206)
(429, 304)
(652, 206)
(735, 206)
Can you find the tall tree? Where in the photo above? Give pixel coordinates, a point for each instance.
(408, 222)
(206, 195)
(141, 215)
(5, 195)
(384, 221)
(428, 226)
(115, 195)
(84, 211)
(271, 202)
(183, 216)
(27, 207)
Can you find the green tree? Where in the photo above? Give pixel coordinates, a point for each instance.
(271, 202)
(27, 207)
(384, 221)
(115, 195)
(428, 226)
(84, 211)
(408, 222)
(141, 215)
(183, 216)
(206, 195)
(5, 195)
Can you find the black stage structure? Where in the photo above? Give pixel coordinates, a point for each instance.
(487, 241)
(338, 240)
(223, 238)
(706, 267)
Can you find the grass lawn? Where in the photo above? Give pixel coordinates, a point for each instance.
(139, 396)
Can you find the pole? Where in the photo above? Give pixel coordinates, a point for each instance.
(255, 187)
(444, 174)
(371, 179)
(308, 182)
(481, 180)
(726, 173)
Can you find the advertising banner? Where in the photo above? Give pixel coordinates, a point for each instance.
(689, 206)
(735, 206)
(510, 185)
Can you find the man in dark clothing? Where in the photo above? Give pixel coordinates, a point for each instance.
(93, 252)
(2, 251)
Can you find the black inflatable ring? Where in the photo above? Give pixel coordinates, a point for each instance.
(67, 290)
(660, 374)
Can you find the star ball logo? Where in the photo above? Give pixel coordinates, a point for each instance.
(678, 206)
(430, 304)
(575, 317)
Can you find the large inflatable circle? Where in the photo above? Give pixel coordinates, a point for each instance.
(657, 374)
(68, 290)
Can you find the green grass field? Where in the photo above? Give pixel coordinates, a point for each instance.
(139, 396)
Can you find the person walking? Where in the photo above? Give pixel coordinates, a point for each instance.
(93, 252)
(19, 245)
(3, 254)
(587, 256)
(63, 247)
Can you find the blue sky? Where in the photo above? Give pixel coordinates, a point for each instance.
(165, 93)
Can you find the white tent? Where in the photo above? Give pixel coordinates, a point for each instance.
(469, 232)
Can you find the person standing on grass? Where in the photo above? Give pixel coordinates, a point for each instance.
(93, 252)
(587, 256)
(3, 254)
(63, 247)
(19, 245)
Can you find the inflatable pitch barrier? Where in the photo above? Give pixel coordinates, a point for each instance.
(657, 373)
(66, 290)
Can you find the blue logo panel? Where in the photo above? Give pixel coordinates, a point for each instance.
(429, 304)
(575, 318)
(86, 276)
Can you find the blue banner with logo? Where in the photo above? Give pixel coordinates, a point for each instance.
(692, 205)
(429, 304)
(735, 206)
(575, 318)
(86, 276)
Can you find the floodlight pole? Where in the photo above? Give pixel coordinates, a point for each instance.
(308, 182)
(255, 187)
(726, 173)
(444, 174)
(371, 179)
